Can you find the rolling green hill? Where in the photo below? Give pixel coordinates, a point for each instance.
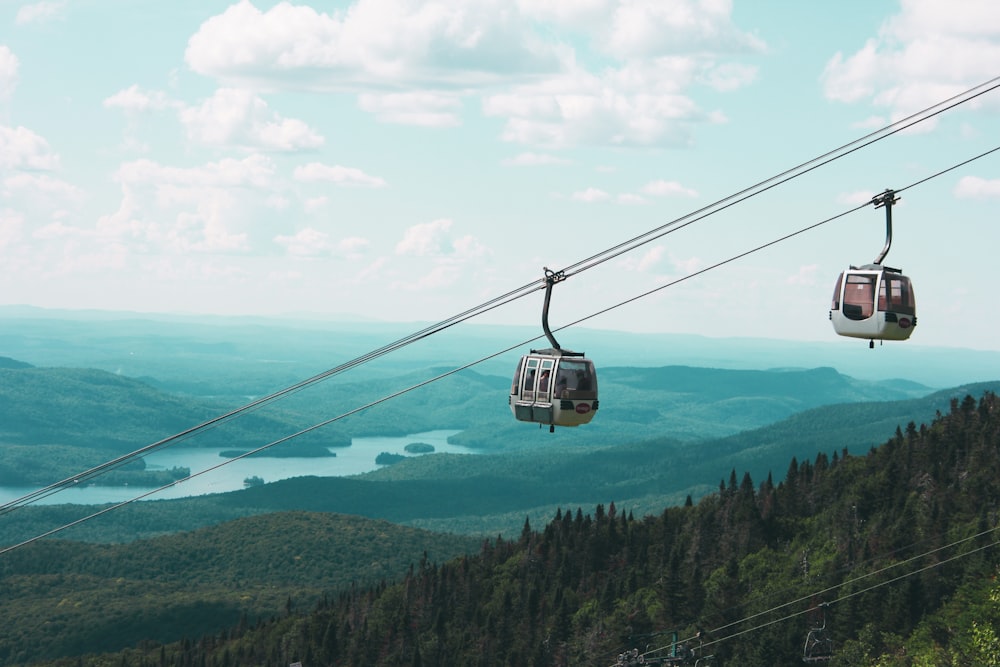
(491, 494)
(893, 553)
(55, 422)
(63, 598)
(60, 409)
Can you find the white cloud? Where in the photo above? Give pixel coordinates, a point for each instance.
(806, 276)
(663, 188)
(314, 204)
(974, 187)
(20, 148)
(469, 247)
(630, 198)
(534, 159)
(415, 108)
(434, 239)
(211, 208)
(432, 258)
(42, 186)
(729, 76)
(9, 65)
(926, 53)
(135, 99)
(638, 104)
(306, 242)
(647, 261)
(450, 43)
(585, 15)
(40, 12)
(353, 247)
(856, 198)
(315, 172)
(597, 72)
(591, 195)
(277, 201)
(656, 28)
(255, 171)
(871, 123)
(11, 228)
(426, 239)
(311, 242)
(233, 117)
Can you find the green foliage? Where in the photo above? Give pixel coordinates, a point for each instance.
(41, 465)
(65, 598)
(896, 542)
(113, 414)
(487, 495)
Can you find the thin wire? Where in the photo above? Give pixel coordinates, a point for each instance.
(69, 482)
(785, 176)
(471, 364)
(945, 171)
(279, 441)
(836, 587)
(518, 293)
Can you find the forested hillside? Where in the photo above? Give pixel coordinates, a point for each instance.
(116, 414)
(488, 495)
(63, 598)
(894, 550)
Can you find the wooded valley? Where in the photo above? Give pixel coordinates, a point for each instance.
(893, 549)
(709, 515)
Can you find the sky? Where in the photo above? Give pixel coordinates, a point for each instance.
(406, 160)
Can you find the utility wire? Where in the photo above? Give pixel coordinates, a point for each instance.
(518, 293)
(470, 364)
(785, 176)
(260, 449)
(772, 610)
(254, 405)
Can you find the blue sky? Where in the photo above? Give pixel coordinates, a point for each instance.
(405, 160)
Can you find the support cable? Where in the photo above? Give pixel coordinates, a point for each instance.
(785, 176)
(518, 293)
(74, 480)
(836, 587)
(483, 359)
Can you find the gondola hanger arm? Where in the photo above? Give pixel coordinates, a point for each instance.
(886, 199)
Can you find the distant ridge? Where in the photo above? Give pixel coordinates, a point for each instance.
(91, 337)
(7, 362)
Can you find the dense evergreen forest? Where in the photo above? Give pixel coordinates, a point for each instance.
(63, 598)
(892, 551)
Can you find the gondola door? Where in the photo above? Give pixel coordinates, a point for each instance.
(531, 390)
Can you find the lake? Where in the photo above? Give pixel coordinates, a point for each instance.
(353, 460)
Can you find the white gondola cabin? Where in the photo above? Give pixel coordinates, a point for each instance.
(873, 302)
(554, 387)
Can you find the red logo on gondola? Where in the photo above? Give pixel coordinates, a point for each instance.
(904, 323)
(583, 408)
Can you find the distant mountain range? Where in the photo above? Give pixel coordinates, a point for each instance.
(182, 352)
(890, 551)
(682, 419)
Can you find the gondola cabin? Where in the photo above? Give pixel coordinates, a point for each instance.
(554, 387)
(873, 302)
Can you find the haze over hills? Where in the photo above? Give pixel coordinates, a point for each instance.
(896, 542)
(183, 351)
(679, 416)
(64, 596)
